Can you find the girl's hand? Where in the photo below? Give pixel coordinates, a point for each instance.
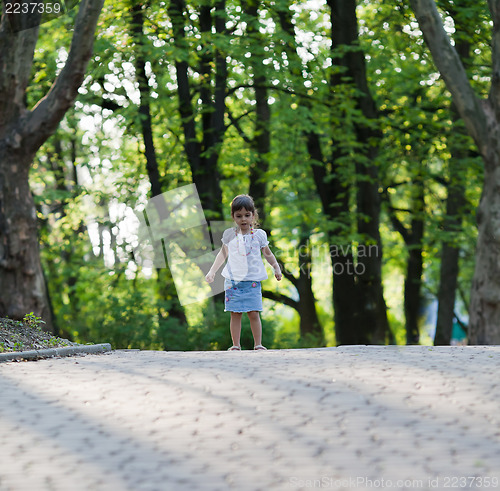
(277, 273)
(209, 278)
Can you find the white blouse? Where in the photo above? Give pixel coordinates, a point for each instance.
(244, 261)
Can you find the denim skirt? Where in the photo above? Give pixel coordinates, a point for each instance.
(242, 296)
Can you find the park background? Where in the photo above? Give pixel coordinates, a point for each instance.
(363, 172)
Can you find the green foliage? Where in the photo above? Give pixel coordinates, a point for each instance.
(32, 321)
(287, 336)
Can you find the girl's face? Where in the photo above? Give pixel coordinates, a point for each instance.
(243, 219)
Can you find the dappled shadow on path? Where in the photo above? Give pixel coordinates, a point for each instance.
(208, 420)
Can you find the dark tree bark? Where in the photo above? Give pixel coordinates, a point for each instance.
(373, 314)
(202, 153)
(166, 287)
(137, 27)
(310, 326)
(482, 119)
(413, 281)
(452, 224)
(22, 132)
(413, 237)
(455, 203)
(448, 275)
(261, 141)
(334, 196)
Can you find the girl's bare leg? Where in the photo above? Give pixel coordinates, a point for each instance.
(255, 326)
(235, 327)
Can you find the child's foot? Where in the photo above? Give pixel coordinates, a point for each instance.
(234, 348)
(259, 347)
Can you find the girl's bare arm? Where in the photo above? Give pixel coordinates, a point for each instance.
(219, 260)
(272, 261)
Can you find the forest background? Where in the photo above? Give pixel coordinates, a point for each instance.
(332, 115)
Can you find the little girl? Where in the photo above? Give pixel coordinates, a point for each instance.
(244, 271)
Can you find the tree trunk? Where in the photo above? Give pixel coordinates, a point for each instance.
(369, 259)
(412, 292)
(413, 237)
(484, 309)
(202, 154)
(310, 326)
(455, 202)
(22, 132)
(144, 106)
(372, 310)
(346, 304)
(334, 199)
(482, 119)
(22, 285)
(261, 141)
(165, 284)
(448, 277)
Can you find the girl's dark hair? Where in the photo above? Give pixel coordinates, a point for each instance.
(245, 201)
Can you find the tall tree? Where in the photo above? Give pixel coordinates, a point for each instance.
(359, 306)
(261, 141)
(22, 132)
(202, 150)
(166, 287)
(482, 119)
(452, 224)
(413, 235)
(460, 144)
(369, 289)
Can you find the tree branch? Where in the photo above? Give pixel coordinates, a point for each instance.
(396, 222)
(452, 70)
(192, 146)
(286, 90)
(280, 298)
(44, 118)
(236, 124)
(17, 47)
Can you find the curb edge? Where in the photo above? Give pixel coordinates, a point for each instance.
(52, 352)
